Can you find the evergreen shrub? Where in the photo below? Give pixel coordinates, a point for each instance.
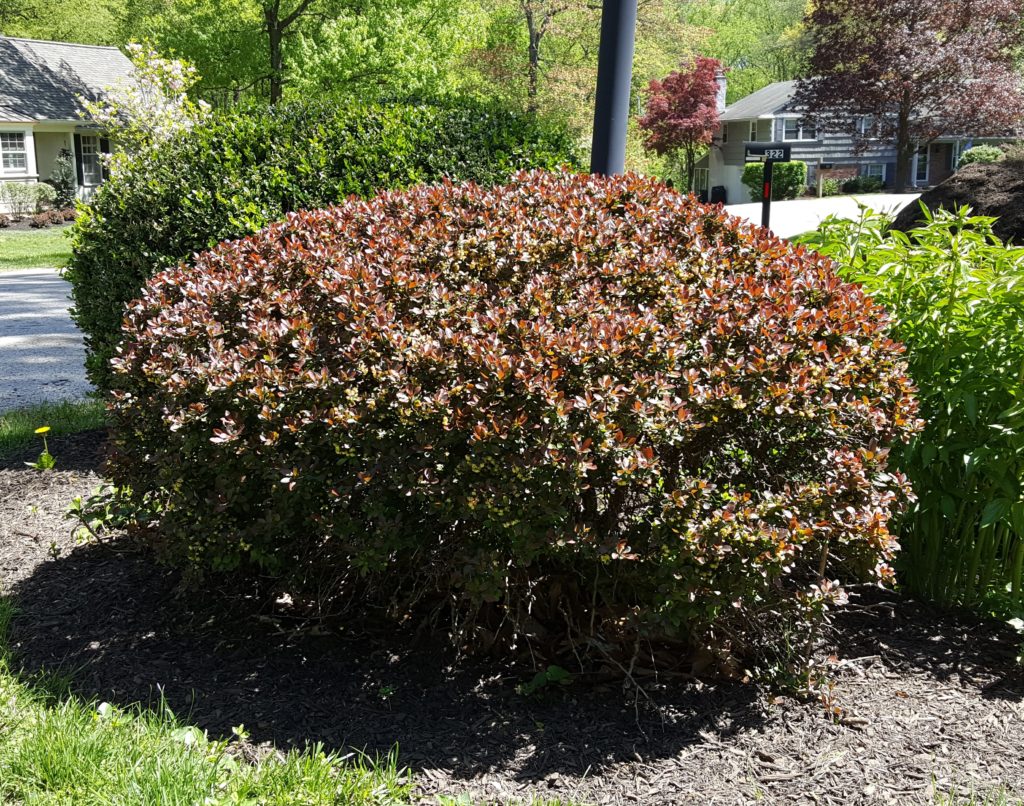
(580, 411)
(789, 180)
(984, 154)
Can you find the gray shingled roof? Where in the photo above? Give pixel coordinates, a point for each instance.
(41, 80)
(769, 100)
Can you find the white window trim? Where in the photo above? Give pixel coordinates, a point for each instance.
(799, 130)
(926, 153)
(753, 131)
(867, 170)
(29, 171)
(87, 181)
(701, 179)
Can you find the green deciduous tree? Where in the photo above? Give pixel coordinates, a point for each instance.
(760, 41)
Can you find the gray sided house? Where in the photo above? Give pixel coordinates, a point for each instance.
(768, 115)
(40, 112)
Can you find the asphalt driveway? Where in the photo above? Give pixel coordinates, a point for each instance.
(41, 350)
(796, 217)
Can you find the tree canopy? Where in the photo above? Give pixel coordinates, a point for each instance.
(682, 112)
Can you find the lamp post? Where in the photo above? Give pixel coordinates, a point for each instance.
(614, 77)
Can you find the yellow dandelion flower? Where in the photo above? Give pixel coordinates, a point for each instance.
(43, 430)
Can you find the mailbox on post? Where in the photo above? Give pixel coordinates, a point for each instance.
(769, 154)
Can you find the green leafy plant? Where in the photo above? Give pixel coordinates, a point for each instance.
(63, 180)
(789, 180)
(551, 676)
(20, 198)
(582, 410)
(106, 510)
(241, 170)
(863, 184)
(831, 187)
(45, 460)
(984, 154)
(957, 297)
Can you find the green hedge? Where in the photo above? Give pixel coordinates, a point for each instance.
(789, 180)
(983, 154)
(243, 169)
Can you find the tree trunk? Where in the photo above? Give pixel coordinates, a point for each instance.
(275, 33)
(691, 169)
(533, 68)
(904, 148)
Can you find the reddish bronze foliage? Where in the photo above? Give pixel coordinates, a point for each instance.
(592, 394)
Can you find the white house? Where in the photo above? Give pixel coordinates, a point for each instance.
(40, 83)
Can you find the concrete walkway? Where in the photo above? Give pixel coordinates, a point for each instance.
(796, 217)
(41, 351)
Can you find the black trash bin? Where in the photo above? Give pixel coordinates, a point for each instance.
(718, 194)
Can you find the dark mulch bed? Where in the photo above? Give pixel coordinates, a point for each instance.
(26, 224)
(996, 189)
(929, 701)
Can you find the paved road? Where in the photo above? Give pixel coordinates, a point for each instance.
(41, 350)
(791, 218)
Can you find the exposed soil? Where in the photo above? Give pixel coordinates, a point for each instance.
(995, 189)
(928, 701)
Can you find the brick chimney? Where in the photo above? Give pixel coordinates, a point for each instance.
(722, 83)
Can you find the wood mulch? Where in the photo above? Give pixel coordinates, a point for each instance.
(929, 702)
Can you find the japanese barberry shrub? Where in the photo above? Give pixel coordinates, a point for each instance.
(243, 169)
(587, 409)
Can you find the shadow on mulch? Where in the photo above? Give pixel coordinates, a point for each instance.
(124, 630)
(947, 645)
(82, 453)
(118, 624)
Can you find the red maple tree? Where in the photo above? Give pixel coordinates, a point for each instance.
(682, 112)
(910, 71)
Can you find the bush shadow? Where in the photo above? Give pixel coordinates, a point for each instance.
(916, 636)
(120, 626)
(81, 453)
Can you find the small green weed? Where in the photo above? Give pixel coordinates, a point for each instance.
(998, 797)
(45, 460)
(553, 675)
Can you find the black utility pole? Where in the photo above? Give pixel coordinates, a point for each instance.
(614, 78)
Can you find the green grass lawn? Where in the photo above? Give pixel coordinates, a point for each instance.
(34, 248)
(17, 428)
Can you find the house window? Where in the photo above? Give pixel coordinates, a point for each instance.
(725, 132)
(13, 153)
(753, 131)
(795, 129)
(922, 164)
(875, 171)
(92, 169)
(700, 179)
